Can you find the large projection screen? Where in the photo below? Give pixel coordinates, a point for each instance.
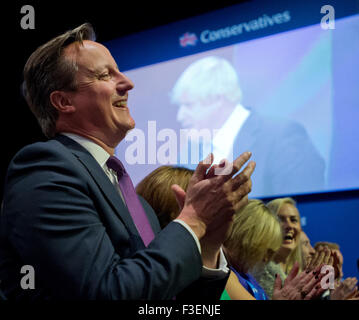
(298, 108)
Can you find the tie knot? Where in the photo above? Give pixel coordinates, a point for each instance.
(116, 165)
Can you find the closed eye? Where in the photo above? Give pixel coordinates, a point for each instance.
(104, 76)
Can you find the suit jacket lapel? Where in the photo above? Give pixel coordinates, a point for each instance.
(247, 134)
(101, 179)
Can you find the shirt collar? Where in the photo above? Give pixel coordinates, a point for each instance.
(100, 154)
(224, 138)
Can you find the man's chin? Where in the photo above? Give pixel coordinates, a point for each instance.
(131, 125)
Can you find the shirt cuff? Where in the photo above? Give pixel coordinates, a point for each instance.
(191, 232)
(222, 269)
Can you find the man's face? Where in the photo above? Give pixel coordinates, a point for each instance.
(101, 97)
(198, 114)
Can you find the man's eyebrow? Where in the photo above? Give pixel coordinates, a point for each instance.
(99, 69)
(90, 71)
(110, 66)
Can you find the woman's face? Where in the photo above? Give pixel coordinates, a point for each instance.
(290, 223)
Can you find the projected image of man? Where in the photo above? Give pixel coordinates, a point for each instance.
(208, 96)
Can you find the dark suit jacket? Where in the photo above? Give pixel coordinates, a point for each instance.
(287, 162)
(62, 215)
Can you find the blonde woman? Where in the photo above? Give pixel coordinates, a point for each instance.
(289, 218)
(255, 236)
(290, 250)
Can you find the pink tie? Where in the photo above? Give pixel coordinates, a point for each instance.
(132, 201)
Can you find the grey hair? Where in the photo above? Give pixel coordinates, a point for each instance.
(206, 78)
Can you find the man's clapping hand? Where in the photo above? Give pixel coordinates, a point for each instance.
(212, 199)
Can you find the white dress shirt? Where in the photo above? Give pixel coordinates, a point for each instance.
(224, 138)
(101, 156)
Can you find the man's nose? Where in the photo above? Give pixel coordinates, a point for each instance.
(123, 84)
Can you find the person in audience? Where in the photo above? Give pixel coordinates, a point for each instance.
(337, 256)
(324, 254)
(289, 252)
(254, 238)
(306, 249)
(313, 258)
(343, 289)
(289, 218)
(155, 188)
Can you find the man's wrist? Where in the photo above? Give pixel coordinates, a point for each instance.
(197, 226)
(210, 257)
(220, 271)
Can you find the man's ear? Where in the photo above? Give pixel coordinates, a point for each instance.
(62, 102)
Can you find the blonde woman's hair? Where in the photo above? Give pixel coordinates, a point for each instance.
(255, 236)
(296, 255)
(156, 190)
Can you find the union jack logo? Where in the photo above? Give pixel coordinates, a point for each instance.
(188, 39)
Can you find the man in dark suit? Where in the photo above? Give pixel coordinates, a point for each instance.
(287, 161)
(68, 211)
(209, 99)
